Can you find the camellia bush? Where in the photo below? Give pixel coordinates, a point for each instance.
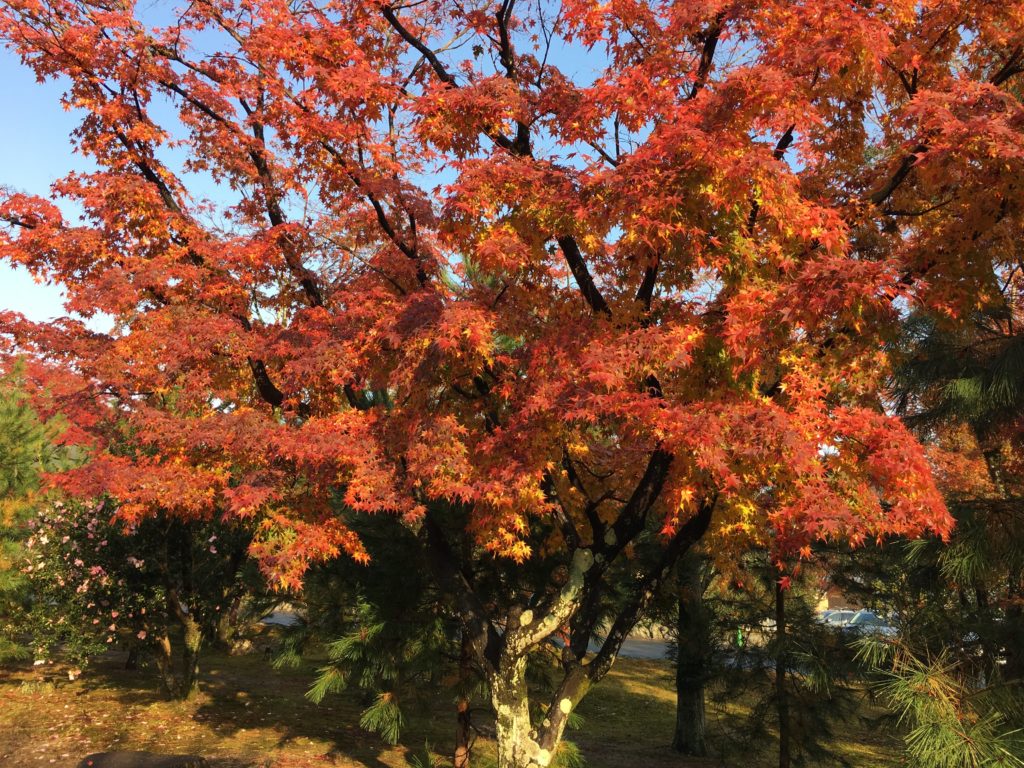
(561, 288)
(83, 599)
(161, 588)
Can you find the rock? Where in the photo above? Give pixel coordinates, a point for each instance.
(241, 648)
(141, 760)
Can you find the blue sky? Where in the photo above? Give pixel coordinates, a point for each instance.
(35, 150)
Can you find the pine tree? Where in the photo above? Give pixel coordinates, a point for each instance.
(28, 448)
(953, 679)
(389, 634)
(946, 722)
(773, 651)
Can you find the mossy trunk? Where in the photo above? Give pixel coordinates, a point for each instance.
(180, 683)
(193, 642)
(517, 743)
(521, 743)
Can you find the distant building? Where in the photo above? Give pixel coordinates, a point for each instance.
(834, 597)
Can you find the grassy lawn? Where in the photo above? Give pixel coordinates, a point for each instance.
(249, 714)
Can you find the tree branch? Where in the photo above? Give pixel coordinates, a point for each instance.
(778, 153)
(486, 641)
(1014, 65)
(711, 37)
(419, 45)
(687, 535)
(588, 288)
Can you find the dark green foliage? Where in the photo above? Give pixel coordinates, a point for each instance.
(424, 758)
(389, 661)
(953, 680)
(387, 631)
(28, 448)
(745, 650)
(971, 373)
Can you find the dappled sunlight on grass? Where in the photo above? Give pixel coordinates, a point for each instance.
(249, 714)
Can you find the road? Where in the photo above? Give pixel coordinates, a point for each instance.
(639, 647)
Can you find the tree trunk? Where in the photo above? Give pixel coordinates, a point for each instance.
(517, 743)
(184, 683)
(781, 694)
(691, 661)
(571, 600)
(165, 666)
(225, 631)
(190, 658)
(462, 705)
(1014, 635)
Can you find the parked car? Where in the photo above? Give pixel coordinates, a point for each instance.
(837, 617)
(866, 622)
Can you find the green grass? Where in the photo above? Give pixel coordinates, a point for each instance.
(249, 714)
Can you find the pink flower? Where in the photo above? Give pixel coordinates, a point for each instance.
(114, 614)
(142, 634)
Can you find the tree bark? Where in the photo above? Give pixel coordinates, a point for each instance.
(781, 693)
(180, 684)
(190, 661)
(165, 666)
(517, 745)
(555, 609)
(691, 660)
(225, 631)
(463, 717)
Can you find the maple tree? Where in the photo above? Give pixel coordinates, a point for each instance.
(564, 288)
